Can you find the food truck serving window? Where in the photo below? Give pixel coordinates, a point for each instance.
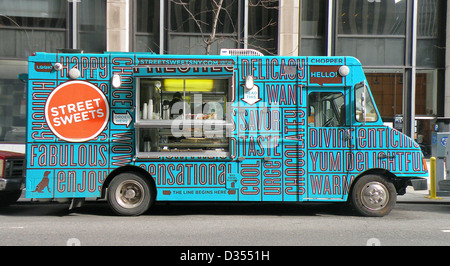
(182, 117)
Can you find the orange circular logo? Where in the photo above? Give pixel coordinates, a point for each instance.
(77, 111)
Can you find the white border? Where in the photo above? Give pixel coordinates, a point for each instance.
(64, 85)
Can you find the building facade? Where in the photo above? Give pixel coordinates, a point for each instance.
(401, 43)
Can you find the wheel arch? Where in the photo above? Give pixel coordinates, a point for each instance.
(400, 184)
(124, 169)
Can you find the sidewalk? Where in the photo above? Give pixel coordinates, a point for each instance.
(420, 195)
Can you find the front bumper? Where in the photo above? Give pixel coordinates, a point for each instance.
(12, 184)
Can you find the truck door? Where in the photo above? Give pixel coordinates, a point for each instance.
(330, 138)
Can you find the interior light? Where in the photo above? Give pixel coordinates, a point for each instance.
(74, 73)
(116, 81)
(57, 66)
(344, 71)
(188, 85)
(249, 82)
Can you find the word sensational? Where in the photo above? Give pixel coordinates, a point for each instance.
(188, 174)
(61, 155)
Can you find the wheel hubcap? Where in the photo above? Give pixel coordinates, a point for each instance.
(129, 194)
(374, 196)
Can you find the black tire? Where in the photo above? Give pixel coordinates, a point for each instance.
(130, 194)
(9, 197)
(373, 195)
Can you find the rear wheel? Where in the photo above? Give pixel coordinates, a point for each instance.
(373, 195)
(130, 194)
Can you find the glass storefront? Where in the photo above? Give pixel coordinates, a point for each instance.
(378, 33)
(313, 18)
(188, 26)
(263, 26)
(387, 89)
(12, 101)
(191, 27)
(147, 26)
(28, 26)
(374, 32)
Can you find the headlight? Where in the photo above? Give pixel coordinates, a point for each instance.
(2, 168)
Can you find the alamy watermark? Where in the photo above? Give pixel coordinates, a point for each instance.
(73, 242)
(373, 242)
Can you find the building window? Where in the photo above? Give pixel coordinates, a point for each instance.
(372, 31)
(431, 33)
(147, 22)
(45, 26)
(92, 26)
(29, 26)
(313, 27)
(387, 91)
(191, 26)
(12, 101)
(263, 26)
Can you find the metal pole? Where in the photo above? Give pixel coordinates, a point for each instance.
(432, 179)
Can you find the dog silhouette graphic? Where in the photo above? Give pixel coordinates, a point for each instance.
(43, 184)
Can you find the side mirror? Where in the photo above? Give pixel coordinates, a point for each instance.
(363, 103)
(361, 110)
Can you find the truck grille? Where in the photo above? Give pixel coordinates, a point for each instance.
(14, 168)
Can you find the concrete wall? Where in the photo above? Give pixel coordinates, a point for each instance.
(289, 28)
(118, 25)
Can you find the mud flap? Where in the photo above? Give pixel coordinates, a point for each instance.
(76, 203)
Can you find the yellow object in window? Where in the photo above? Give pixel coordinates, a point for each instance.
(200, 85)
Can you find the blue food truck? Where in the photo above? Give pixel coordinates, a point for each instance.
(136, 128)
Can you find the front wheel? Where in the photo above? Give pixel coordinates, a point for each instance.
(130, 194)
(373, 195)
(9, 197)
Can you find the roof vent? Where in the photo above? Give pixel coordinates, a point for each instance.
(240, 52)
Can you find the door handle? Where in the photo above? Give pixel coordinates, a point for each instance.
(384, 156)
